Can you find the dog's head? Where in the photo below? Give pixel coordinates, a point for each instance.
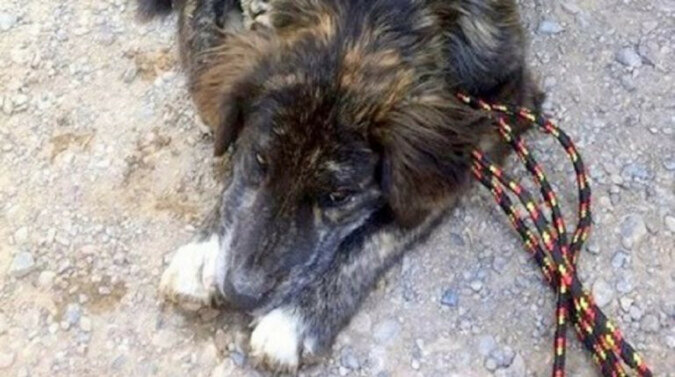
(325, 133)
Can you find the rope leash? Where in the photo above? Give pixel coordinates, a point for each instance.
(558, 256)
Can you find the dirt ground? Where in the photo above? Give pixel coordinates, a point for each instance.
(105, 170)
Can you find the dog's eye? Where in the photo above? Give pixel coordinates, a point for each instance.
(339, 197)
(261, 160)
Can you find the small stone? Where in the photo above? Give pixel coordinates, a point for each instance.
(602, 292)
(633, 230)
(73, 314)
(549, 27)
(499, 264)
(669, 163)
(649, 323)
(670, 341)
(625, 303)
(7, 21)
(85, 324)
(46, 279)
(348, 359)
(635, 313)
(21, 235)
(450, 298)
(386, 330)
(129, 75)
(486, 344)
(8, 106)
(415, 364)
(516, 369)
(593, 247)
(6, 359)
(456, 240)
(118, 362)
(620, 260)
(637, 172)
(629, 57)
(238, 358)
(490, 364)
(669, 221)
(624, 285)
(476, 285)
(570, 6)
(22, 264)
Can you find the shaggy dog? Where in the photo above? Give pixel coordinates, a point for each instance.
(347, 144)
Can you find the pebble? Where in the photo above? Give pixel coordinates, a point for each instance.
(118, 362)
(6, 359)
(516, 369)
(476, 285)
(348, 359)
(629, 57)
(450, 298)
(636, 172)
(649, 323)
(503, 357)
(21, 235)
(8, 106)
(490, 364)
(85, 324)
(624, 285)
(238, 358)
(602, 292)
(386, 330)
(625, 303)
(549, 27)
(46, 279)
(670, 341)
(633, 230)
(635, 313)
(22, 264)
(486, 344)
(669, 221)
(620, 260)
(593, 247)
(7, 21)
(73, 314)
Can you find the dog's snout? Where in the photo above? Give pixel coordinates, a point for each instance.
(240, 295)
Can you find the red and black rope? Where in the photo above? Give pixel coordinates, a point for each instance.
(558, 256)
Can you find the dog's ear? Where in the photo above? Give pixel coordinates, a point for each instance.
(426, 145)
(223, 80)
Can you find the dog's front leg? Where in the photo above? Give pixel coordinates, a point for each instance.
(306, 325)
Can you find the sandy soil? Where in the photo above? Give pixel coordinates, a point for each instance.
(105, 170)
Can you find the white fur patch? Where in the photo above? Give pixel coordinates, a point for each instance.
(276, 340)
(190, 279)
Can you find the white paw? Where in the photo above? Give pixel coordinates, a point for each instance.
(276, 340)
(190, 279)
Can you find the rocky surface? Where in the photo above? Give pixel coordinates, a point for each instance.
(105, 170)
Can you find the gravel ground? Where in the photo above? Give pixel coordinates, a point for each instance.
(104, 171)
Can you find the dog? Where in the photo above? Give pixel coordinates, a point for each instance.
(347, 144)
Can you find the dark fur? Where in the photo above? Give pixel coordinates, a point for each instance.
(348, 141)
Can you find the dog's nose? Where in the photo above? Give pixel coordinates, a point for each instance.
(239, 298)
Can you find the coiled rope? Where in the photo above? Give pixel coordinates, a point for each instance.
(558, 256)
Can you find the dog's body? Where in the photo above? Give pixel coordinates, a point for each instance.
(348, 142)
